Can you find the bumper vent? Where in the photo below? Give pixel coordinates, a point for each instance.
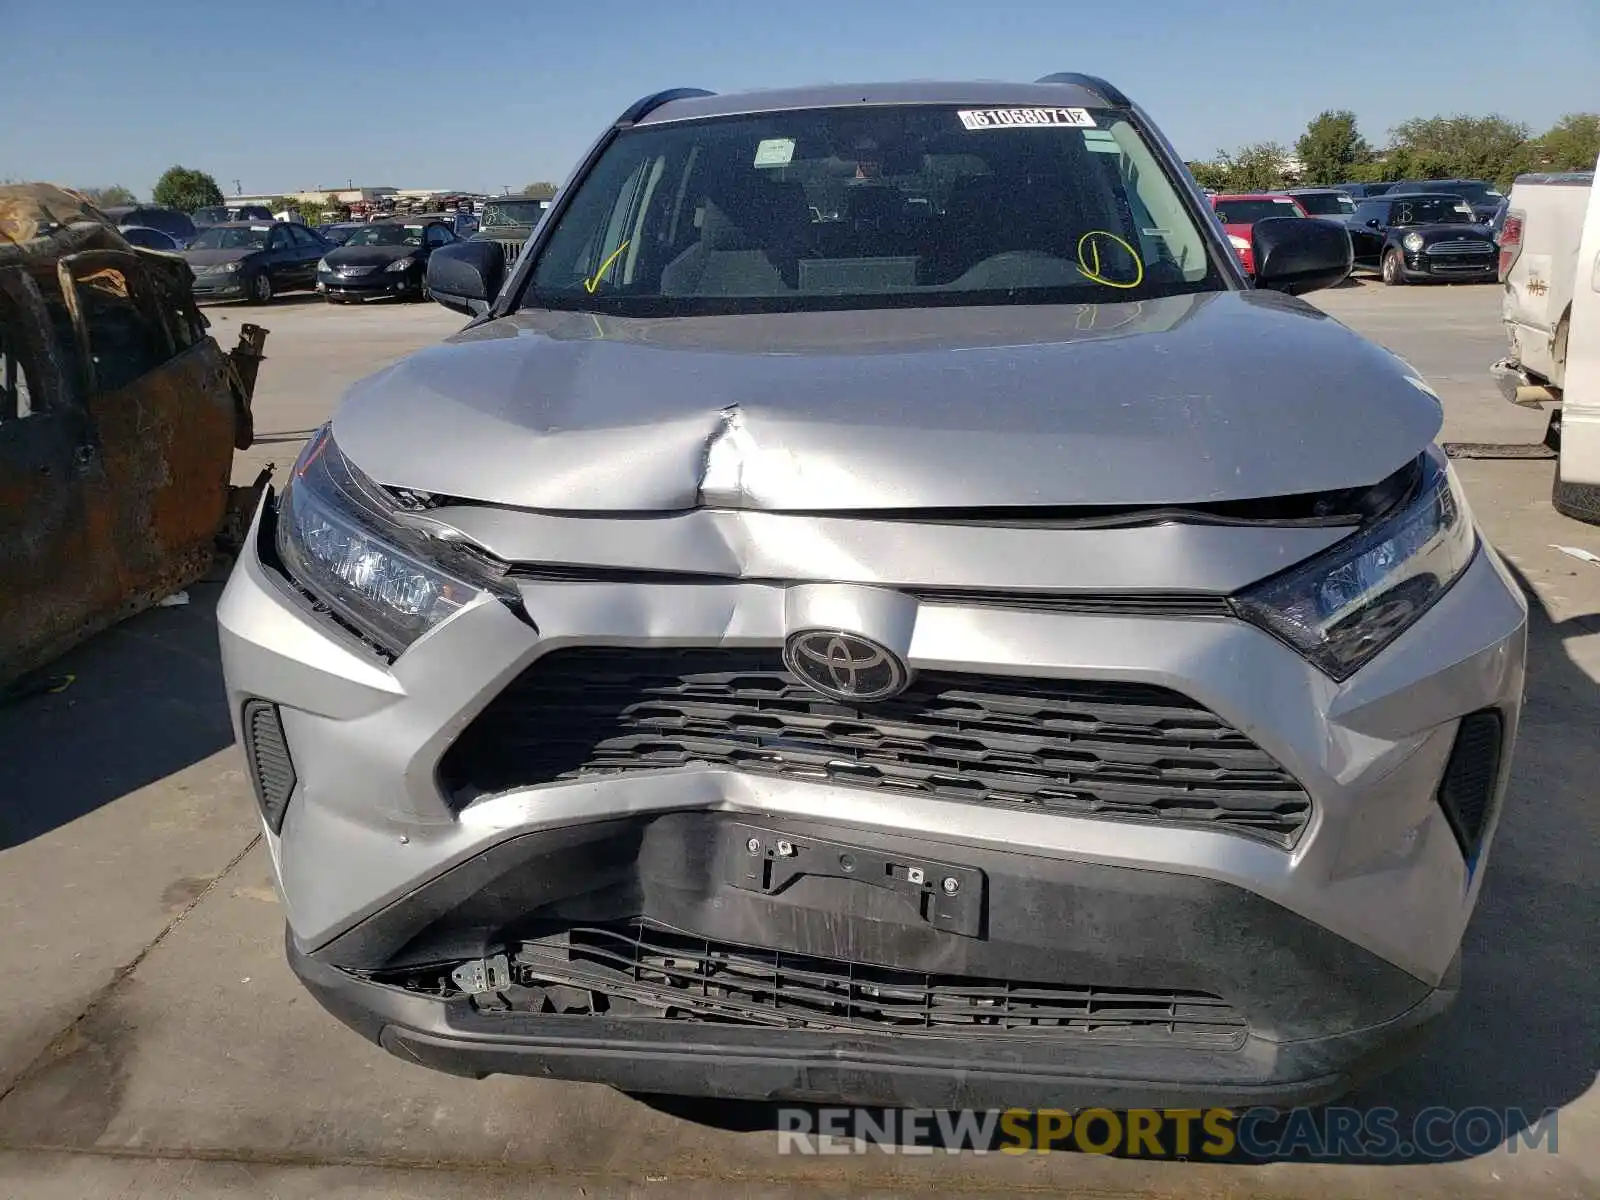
(1072, 747)
(271, 768)
(640, 971)
(1467, 793)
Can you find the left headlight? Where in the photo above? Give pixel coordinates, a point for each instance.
(401, 264)
(1342, 607)
(1412, 242)
(343, 538)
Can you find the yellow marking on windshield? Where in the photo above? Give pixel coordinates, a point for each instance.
(1092, 272)
(591, 284)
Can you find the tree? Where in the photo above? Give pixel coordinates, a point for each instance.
(1571, 144)
(186, 189)
(540, 191)
(1458, 146)
(1331, 146)
(1258, 167)
(109, 197)
(1208, 175)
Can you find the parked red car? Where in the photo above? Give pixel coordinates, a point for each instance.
(1239, 213)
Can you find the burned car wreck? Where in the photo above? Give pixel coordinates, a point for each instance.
(119, 417)
(878, 609)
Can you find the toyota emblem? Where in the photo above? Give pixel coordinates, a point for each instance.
(844, 666)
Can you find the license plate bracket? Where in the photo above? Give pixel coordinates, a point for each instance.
(948, 896)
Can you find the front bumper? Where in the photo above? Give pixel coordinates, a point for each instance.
(1321, 1019)
(232, 286)
(379, 283)
(1479, 268)
(1333, 952)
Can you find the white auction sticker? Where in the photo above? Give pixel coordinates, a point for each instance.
(1025, 118)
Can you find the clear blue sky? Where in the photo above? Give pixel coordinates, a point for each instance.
(287, 94)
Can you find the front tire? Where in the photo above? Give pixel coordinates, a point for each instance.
(261, 289)
(1394, 269)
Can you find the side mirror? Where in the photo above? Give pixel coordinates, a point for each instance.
(465, 276)
(1296, 255)
(1372, 222)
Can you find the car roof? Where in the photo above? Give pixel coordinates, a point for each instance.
(249, 224)
(1250, 196)
(983, 93)
(1418, 196)
(1313, 191)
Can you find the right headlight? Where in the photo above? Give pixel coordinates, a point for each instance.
(1412, 242)
(344, 539)
(1342, 607)
(322, 265)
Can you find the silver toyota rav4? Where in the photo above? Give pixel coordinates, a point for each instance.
(876, 608)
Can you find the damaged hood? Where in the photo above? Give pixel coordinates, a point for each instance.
(1183, 400)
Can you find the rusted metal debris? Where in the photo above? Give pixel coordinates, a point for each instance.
(119, 416)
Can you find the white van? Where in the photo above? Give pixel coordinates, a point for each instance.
(1550, 275)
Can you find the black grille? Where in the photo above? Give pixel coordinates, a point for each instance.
(271, 768)
(640, 970)
(1074, 747)
(1470, 777)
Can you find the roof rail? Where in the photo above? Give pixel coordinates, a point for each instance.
(640, 108)
(1093, 83)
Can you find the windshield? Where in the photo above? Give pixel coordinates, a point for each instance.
(1248, 212)
(222, 237)
(1431, 210)
(891, 206)
(386, 235)
(1325, 204)
(210, 216)
(513, 212)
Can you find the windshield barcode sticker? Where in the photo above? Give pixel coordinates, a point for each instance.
(1025, 118)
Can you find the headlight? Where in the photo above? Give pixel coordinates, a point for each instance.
(1238, 242)
(400, 264)
(229, 268)
(1344, 606)
(342, 538)
(1412, 242)
(322, 265)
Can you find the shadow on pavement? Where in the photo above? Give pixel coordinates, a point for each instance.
(145, 700)
(1523, 1037)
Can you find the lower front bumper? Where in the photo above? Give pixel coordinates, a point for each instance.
(1472, 270)
(370, 286)
(233, 289)
(1316, 1014)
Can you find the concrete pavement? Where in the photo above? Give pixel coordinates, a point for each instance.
(152, 1042)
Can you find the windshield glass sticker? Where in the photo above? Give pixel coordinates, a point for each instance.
(1025, 118)
(1101, 141)
(774, 152)
(1116, 256)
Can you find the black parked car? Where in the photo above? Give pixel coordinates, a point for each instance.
(1482, 195)
(1332, 203)
(226, 214)
(1362, 191)
(384, 258)
(254, 260)
(339, 232)
(170, 221)
(1422, 236)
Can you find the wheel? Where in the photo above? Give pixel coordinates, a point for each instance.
(261, 288)
(1580, 501)
(423, 295)
(1394, 269)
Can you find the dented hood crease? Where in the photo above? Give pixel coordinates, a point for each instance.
(1190, 399)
